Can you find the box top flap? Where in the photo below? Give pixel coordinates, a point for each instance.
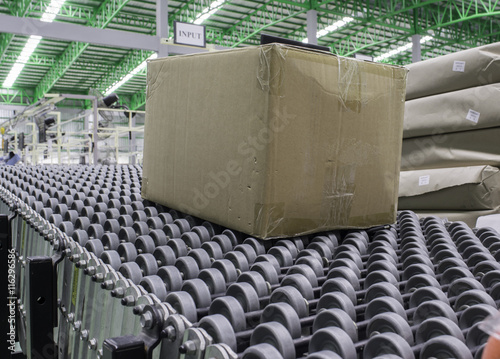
(277, 47)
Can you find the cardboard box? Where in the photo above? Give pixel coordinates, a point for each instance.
(274, 141)
(453, 189)
(459, 149)
(457, 111)
(460, 70)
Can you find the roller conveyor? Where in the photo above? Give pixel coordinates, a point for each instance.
(102, 273)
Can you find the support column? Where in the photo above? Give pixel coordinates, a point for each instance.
(95, 137)
(312, 27)
(416, 50)
(133, 141)
(86, 128)
(162, 25)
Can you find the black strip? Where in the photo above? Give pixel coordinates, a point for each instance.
(269, 39)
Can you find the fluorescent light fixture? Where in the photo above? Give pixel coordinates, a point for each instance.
(208, 11)
(32, 43)
(401, 49)
(21, 60)
(331, 28)
(29, 48)
(131, 74)
(52, 10)
(204, 15)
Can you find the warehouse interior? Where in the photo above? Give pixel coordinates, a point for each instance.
(249, 179)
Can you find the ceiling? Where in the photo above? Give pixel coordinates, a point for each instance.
(378, 27)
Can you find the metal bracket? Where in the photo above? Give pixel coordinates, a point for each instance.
(141, 346)
(152, 324)
(56, 259)
(220, 351)
(40, 308)
(195, 342)
(175, 327)
(8, 300)
(126, 347)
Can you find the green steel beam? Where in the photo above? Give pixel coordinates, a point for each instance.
(187, 12)
(227, 18)
(368, 41)
(34, 60)
(5, 40)
(466, 37)
(15, 97)
(422, 16)
(106, 13)
(305, 4)
(73, 11)
(265, 16)
(255, 32)
(63, 63)
(183, 13)
(17, 8)
(138, 100)
(257, 19)
(358, 9)
(240, 23)
(395, 21)
(137, 21)
(133, 59)
(93, 66)
(361, 34)
(100, 19)
(253, 21)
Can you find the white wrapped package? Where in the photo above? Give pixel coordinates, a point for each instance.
(469, 68)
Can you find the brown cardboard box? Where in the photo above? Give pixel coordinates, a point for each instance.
(460, 70)
(464, 110)
(274, 141)
(450, 189)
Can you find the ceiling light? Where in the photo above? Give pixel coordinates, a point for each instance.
(32, 43)
(131, 74)
(331, 28)
(21, 60)
(400, 49)
(208, 11)
(52, 10)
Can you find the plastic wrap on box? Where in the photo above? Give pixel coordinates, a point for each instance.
(274, 141)
(469, 68)
(457, 188)
(460, 149)
(463, 110)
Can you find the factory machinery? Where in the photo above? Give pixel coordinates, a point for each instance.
(90, 270)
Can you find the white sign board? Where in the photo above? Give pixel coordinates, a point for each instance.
(189, 34)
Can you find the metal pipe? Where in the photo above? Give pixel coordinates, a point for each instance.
(96, 122)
